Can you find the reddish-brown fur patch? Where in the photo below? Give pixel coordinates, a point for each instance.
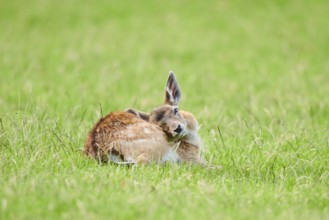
(126, 135)
(108, 125)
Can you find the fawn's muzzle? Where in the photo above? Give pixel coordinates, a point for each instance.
(179, 129)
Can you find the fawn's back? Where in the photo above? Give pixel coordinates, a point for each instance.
(124, 137)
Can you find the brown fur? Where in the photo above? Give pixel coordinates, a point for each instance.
(143, 138)
(128, 136)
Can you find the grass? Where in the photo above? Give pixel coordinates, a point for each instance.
(255, 75)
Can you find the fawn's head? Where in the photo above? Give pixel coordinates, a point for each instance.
(167, 115)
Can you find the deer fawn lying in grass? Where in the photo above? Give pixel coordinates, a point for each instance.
(130, 136)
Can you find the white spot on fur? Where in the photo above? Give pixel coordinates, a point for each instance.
(171, 156)
(115, 158)
(147, 131)
(130, 134)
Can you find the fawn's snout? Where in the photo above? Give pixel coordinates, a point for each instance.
(175, 128)
(179, 129)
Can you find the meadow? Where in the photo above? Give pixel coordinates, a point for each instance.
(255, 74)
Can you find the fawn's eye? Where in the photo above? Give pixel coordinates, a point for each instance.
(175, 111)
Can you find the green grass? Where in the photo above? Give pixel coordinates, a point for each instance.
(256, 71)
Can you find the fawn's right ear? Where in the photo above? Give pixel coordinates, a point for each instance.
(141, 115)
(173, 93)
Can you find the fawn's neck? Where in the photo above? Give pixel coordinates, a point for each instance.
(193, 139)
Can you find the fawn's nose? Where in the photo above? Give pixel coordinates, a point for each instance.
(178, 129)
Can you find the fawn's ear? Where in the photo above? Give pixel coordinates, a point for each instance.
(141, 115)
(173, 93)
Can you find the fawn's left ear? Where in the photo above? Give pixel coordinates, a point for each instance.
(141, 115)
(173, 93)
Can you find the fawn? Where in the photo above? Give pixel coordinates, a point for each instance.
(130, 136)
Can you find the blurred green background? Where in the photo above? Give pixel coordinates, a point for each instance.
(255, 70)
